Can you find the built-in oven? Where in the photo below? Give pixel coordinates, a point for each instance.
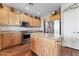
(25, 37)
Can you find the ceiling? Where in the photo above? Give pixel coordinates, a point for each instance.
(37, 9)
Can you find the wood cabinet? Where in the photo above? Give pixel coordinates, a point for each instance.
(0, 42)
(55, 17)
(43, 46)
(6, 41)
(25, 18)
(8, 17)
(35, 22)
(34, 43)
(15, 38)
(14, 19)
(9, 39)
(4, 17)
(49, 48)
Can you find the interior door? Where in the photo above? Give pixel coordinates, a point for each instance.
(77, 25)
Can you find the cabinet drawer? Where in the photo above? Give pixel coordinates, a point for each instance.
(47, 40)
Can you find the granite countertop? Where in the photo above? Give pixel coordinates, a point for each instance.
(2, 32)
(51, 36)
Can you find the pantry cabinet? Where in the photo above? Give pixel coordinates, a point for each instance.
(71, 28)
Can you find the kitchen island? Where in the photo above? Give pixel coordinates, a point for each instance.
(45, 44)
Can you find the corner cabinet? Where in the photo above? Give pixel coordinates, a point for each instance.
(71, 28)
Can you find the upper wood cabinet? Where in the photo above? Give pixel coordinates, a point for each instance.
(4, 17)
(14, 19)
(35, 22)
(32, 21)
(23, 17)
(55, 17)
(8, 17)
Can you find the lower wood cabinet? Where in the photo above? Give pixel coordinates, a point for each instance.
(34, 44)
(6, 41)
(9, 39)
(0, 42)
(43, 46)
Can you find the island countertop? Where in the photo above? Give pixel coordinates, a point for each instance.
(50, 36)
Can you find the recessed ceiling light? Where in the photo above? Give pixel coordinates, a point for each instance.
(27, 8)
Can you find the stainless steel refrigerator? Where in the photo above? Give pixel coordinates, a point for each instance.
(52, 27)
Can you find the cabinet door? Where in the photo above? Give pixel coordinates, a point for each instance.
(15, 38)
(34, 44)
(6, 41)
(77, 26)
(4, 17)
(0, 41)
(14, 19)
(69, 28)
